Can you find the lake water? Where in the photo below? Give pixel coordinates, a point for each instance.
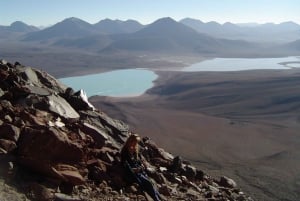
(239, 64)
(131, 82)
(134, 82)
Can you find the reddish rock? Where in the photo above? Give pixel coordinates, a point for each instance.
(70, 174)
(48, 144)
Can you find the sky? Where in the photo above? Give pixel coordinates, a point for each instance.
(49, 12)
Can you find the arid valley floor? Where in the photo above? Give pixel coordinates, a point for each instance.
(243, 124)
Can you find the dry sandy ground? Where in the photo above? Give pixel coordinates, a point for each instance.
(244, 125)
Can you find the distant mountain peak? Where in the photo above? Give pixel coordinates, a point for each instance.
(190, 20)
(68, 28)
(17, 23)
(290, 24)
(270, 24)
(74, 20)
(165, 20)
(19, 26)
(213, 23)
(108, 20)
(229, 23)
(117, 26)
(164, 23)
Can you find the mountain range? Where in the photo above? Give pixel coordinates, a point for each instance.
(269, 32)
(165, 35)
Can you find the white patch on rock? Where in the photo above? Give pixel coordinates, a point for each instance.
(85, 99)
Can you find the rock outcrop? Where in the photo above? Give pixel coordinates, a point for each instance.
(54, 145)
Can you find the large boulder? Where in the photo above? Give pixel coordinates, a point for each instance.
(61, 107)
(43, 146)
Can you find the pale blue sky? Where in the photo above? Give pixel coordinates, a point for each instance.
(49, 12)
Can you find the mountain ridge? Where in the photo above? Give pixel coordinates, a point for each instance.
(109, 26)
(167, 35)
(70, 27)
(188, 36)
(265, 32)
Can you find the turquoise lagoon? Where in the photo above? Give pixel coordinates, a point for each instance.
(239, 64)
(118, 83)
(134, 82)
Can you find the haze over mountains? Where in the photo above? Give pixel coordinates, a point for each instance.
(74, 47)
(269, 32)
(163, 35)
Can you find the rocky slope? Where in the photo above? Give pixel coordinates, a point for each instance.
(54, 145)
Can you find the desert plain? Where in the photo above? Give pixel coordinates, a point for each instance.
(243, 124)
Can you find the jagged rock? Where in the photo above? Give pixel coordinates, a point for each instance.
(3, 151)
(190, 172)
(176, 165)
(227, 182)
(61, 107)
(9, 132)
(56, 123)
(118, 127)
(199, 175)
(6, 104)
(50, 82)
(39, 148)
(19, 92)
(69, 92)
(3, 73)
(98, 136)
(7, 145)
(69, 174)
(38, 90)
(78, 100)
(8, 118)
(98, 173)
(3, 62)
(17, 64)
(29, 75)
(38, 117)
(155, 152)
(1, 92)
